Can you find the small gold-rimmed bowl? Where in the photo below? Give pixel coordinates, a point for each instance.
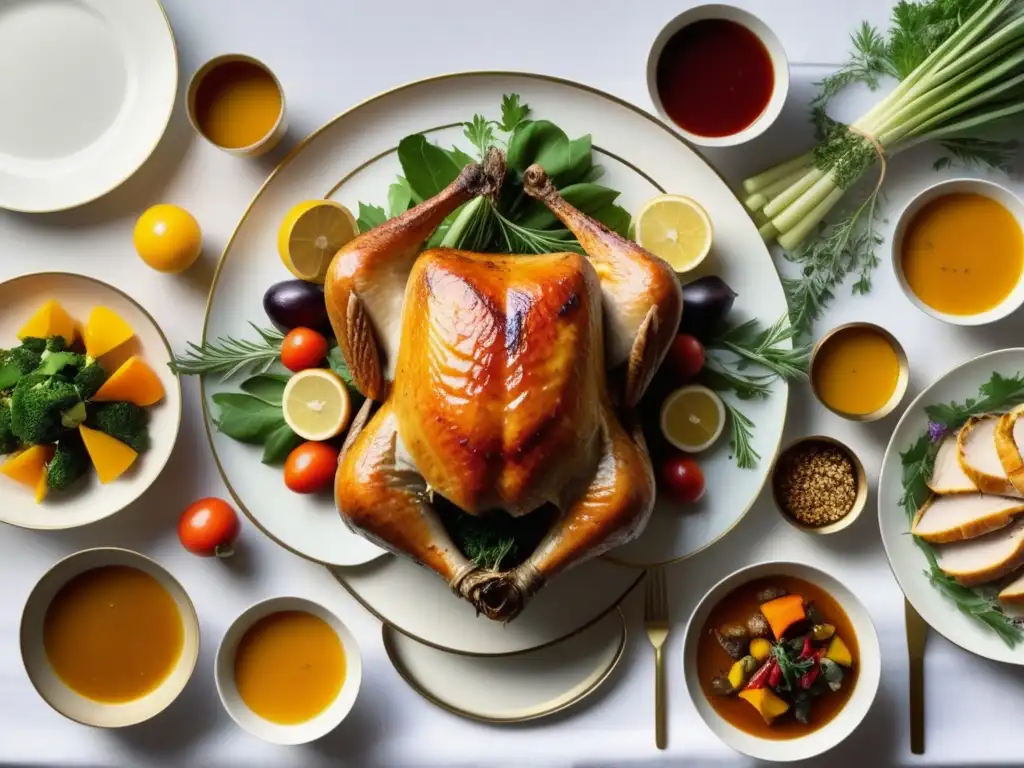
(261, 145)
(59, 694)
(902, 381)
(860, 481)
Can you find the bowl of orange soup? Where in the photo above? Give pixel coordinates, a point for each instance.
(109, 638)
(958, 251)
(288, 670)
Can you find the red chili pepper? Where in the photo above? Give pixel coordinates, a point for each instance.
(808, 678)
(808, 649)
(775, 677)
(760, 678)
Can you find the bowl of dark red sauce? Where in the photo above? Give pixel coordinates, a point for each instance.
(718, 74)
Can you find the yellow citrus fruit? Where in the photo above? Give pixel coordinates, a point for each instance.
(168, 238)
(692, 418)
(311, 234)
(675, 228)
(316, 404)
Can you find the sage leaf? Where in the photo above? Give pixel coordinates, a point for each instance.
(370, 216)
(589, 198)
(578, 164)
(268, 387)
(539, 142)
(281, 442)
(616, 218)
(246, 418)
(399, 197)
(460, 158)
(428, 168)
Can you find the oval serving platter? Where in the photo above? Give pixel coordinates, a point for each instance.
(907, 561)
(90, 501)
(353, 158)
(511, 689)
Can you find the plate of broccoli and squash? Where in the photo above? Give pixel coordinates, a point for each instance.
(89, 409)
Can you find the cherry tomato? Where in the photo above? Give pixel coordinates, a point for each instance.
(310, 467)
(209, 528)
(685, 357)
(681, 479)
(303, 348)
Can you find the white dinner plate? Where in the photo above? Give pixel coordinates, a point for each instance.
(89, 500)
(87, 88)
(906, 559)
(352, 159)
(511, 689)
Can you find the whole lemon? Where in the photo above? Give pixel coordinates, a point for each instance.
(168, 238)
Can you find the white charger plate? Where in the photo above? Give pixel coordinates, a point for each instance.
(906, 559)
(89, 500)
(353, 158)
(87, 88)
(510, 689)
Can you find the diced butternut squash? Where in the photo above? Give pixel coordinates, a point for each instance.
(764, 701)
(110, 457)
(783, 612)
(760, 648)
(839, 652)
(29, 465)
(51, 319)
(105, 330)
(134, 382)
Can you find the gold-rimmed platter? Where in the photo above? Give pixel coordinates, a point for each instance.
(352, 159)
(511, 689)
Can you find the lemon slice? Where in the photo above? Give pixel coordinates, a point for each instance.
(311, 234)
(316, 404)
(692, 418)
(675, 228)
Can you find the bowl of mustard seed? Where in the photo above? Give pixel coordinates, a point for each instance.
(819, 485)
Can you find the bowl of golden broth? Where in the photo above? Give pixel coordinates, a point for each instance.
(958, 251)
(859, 371)
(109, 638)
(237, 104)
(288, 670)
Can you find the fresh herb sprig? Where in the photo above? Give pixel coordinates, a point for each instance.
(744, 360)
(229, 356)
(997, 394)
(791, 667)
(512, 222)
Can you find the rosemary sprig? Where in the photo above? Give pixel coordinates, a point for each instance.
(792, 668)
(229, 356)
(741, 432)
(998, 393)
(764, 347)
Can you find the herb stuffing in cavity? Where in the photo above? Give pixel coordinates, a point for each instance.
(816, 483)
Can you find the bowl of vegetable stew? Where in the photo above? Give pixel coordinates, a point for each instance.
(782, 661)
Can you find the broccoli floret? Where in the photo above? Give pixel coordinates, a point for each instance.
(24, 358)
(56, 344)
(70, 461)
(42, 406)
(126, 422)
(89, 378)
(33, 344)
(8, 441)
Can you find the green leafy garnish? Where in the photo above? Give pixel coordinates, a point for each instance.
(791, 667)
(229, 356)
(999, 393)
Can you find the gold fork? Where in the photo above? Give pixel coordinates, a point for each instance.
(656, 624)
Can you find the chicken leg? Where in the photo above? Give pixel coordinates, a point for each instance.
(642, 299)
(382, 496)
(365, 284)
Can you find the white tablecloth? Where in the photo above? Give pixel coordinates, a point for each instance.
(330, 54)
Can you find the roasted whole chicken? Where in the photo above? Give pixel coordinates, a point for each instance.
(499, 382)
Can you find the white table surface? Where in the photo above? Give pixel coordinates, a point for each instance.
(330, 54)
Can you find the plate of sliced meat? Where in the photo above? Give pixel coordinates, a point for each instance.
(953, 478)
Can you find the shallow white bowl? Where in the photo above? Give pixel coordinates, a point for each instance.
(1001, 195)
(276, 733)
(780, 65)
(54, 691)
(89, 500)
(845, 721)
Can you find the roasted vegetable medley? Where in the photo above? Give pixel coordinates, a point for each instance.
(786, 655)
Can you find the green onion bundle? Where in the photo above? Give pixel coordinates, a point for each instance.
(970, 81)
